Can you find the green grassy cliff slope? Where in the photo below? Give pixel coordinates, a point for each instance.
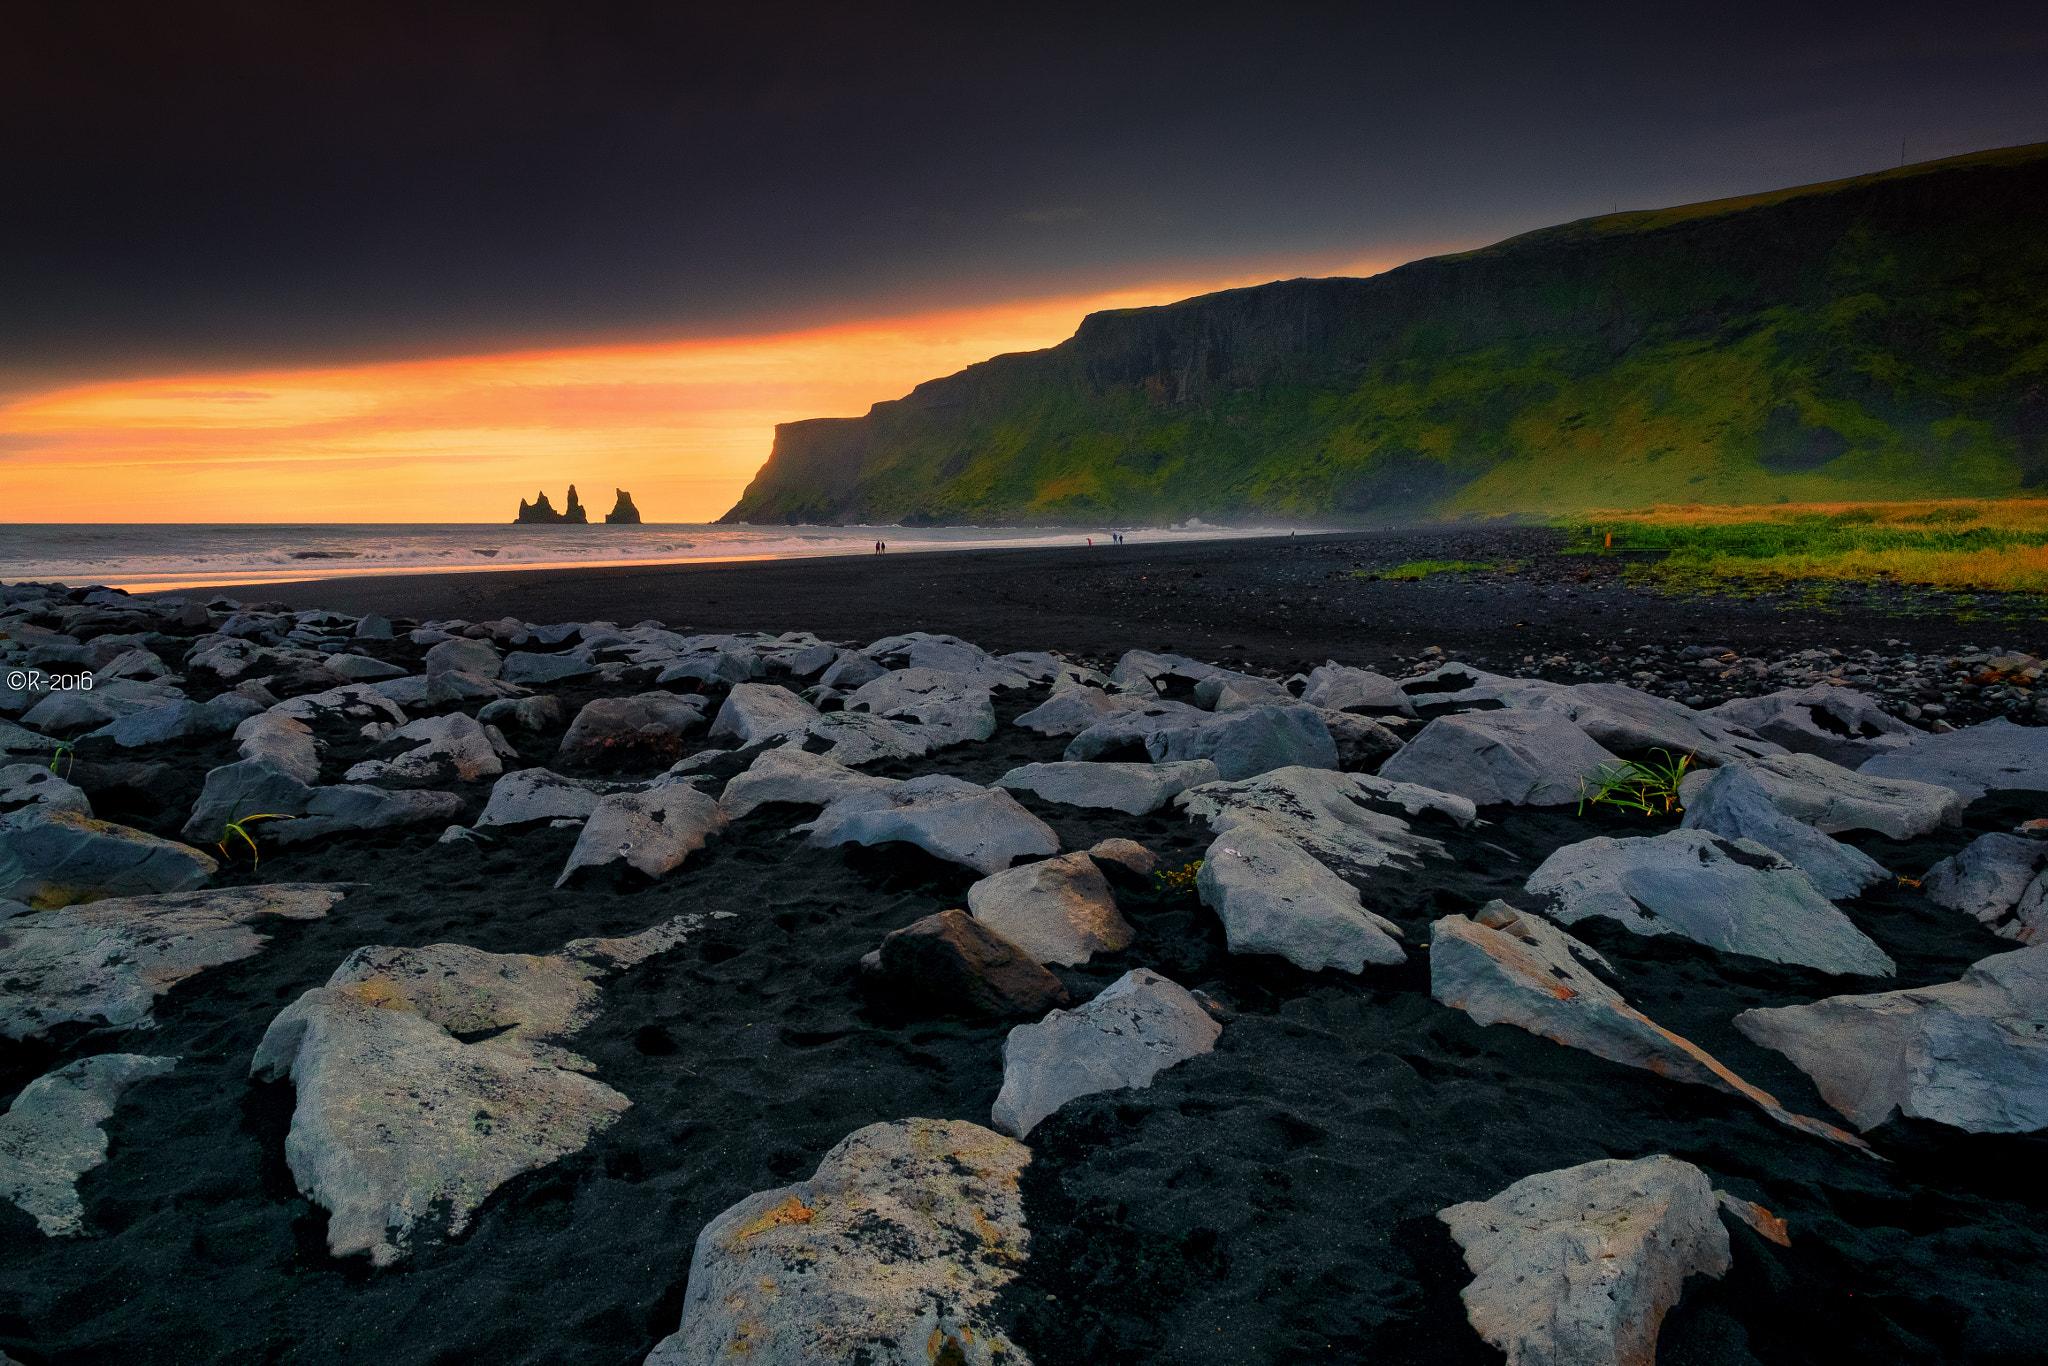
(1884, 337)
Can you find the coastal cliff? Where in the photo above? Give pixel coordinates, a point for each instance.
(1878, 337)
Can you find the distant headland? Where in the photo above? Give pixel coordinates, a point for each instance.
(623, 512)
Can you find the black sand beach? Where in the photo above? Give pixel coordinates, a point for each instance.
(1272, 1202)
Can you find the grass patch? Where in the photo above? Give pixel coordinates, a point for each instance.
(1416, 570)
(1957, 546)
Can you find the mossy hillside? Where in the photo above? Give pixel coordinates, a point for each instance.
(1879, 338)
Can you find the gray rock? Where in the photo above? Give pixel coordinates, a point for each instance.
(953, 962)
(178, 721)
(945, 654)
(65, 713)
(1729, 802)
(1059, 910)
(1133, 788)
(1221, 692)
(452, 688)
(1839, 724)
(1070, 711)
(1140, 1024)
(349, 706)
(29, 788)
(55, 858)
(755, 713)
(1524, 758)
(373, 627)
(524, 666)
(15, 740)
(1832, 799)
(1336, 818)
(1995, 876)
(652, 831)
(1974, 760)
(229, 659)
(625, 731)
(893, 1253)
(1512, 967)
(443, 749)
(1338, 688)
(51, 1135)
(1971, 1053)
(793, 776)
(1733, 895)
(363, 668)
(1148, 674)
(953, 705)
(535, 714)
(135, 663)
(1273, 898)
(337, 810)
(463, 655)
(1042, 666)
(980, 827)
(109, 960)
(247, 788)
(537, 794)
(856, 737)
(1580, 1265)
(851, 669)
(1363, 745)
(1244, 744)
(285, 742)
(1130, 855)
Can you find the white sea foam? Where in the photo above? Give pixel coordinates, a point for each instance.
(199, 554)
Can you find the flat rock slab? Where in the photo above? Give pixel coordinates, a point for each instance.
(797, 778)
(1244, 744)
(755, 713)
(362, 668)
(53, 858)
(1342, 820)
(286, 741)
(525, 666)
(1616, 717)
(463, 655)
(1505, 966)
(893, 1253)
(51, 1135)
(1841, 725)
(1580, 1266)
(1058, 910)
(1974, 760)
(1133, 788)
(1534, 758)
(181, 720)
(1972, 1053)
(397, 1113)
(108, 961)
(539, 794)
(1070, 711)
(617, 732)
(32, 788)
(2001, 881)
(652, 831)
(1729, 802)
(342, 708)
(1147, 671)
(1127, 728)
(345, 807)
(1274, 898)
(980, 827)
(858, 737)
(434, 749)
(1363, 745)
(954, 706)
(1141, 1024)
(1832, 799)
(952, 962)
(1338, 688)
(1732, 895)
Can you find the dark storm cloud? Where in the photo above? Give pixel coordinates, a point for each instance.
(255, 181)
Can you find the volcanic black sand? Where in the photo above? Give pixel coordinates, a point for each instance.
(1272, 1202)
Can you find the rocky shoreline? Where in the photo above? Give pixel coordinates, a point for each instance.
(1210, 1005)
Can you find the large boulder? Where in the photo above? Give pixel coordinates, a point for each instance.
(539, 794)
(1363, 745)
(1226, 692)
(1839, 724)
(285, 741)
(1273, 898)
(1733, 895)
(856, 737)
(1345, 821)
(1070, 711)
(627, 732)
(1244, 744)
(180, 720)
(1971, 1053)
(345, 708)
(364, 669)
(1579, 1266)
(463, 655)
(349, 807)
(1337, 688)
(26, 789)
(652, 831)
(1532, 758)
(1832, 799)
(1058, 910)
(15, 740)
(54, 858)
(1133, 788)
(1616, 717)
(1729, 802)
(1977, 759)
(792, 776)
(1504, 966)
(850, 670)
(424, 692)
(953, 705)
(1129, 732)
(69, 711)
(2001, 880)
(249, 787)
(109, 960)
(51, 1135)
(946, 654)
(432, 750)
(1149, 673)
(983, 828)
(953, 962)
(1140, 1024)
(755, 713)
(524, 666)
(536, 714)
(893, 1253)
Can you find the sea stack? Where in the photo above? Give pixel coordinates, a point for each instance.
(623, 512)
(544, 511)
(574, 514)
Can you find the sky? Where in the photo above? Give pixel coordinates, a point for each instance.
(415, 261)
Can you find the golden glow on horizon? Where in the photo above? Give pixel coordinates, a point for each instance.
(683, 425)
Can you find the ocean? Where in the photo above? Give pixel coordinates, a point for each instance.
(174, 555)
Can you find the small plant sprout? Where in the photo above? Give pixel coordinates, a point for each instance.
(1648, 788)
(240, 827)
(1176, 881)
(68, 752)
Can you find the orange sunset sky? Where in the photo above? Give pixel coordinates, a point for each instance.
(682, 425)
